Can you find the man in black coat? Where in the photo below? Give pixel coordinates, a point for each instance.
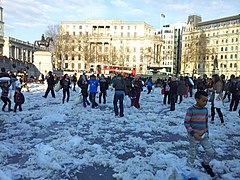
(51, 83)
(173, 93)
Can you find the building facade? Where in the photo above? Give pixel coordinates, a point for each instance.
(1, 30)
(171, 48)
(211, 46)
(95, 44)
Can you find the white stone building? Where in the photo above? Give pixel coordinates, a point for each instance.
(110, 42)
(215, 40)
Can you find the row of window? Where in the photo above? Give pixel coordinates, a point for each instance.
(226, 48)
(231, 65)
(231, 56)
(107, 27)
(226, 40)
(213, 34)
(227, 23)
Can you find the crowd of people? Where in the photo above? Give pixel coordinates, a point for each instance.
(173, 89)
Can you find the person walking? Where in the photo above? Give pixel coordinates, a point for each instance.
(137, 86)
(5, 96)
(103, 89)
(166, 89)
(173, 93)
(120, 88)
(181, 89)
(196, 124)
(93, 85)
(65, 84)
(74, 81)
(149, 84)
(51, 83)
(216, 97)
(18, 99)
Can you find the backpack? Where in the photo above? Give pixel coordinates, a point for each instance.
(167, 87)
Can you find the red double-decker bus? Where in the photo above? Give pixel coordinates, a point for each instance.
(119, 69)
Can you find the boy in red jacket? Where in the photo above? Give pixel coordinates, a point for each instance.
(18, 99)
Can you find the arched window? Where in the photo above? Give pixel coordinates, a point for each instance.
(235, 65)
(66, 57)
(230, 65)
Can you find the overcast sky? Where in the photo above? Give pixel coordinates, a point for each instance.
(28, 19)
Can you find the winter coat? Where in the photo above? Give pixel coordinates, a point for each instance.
(51, 81)
(19, 98)
(65, 83)
(5, 91)
(84, 89)
(181, 88)
(103, 85)
(173, 87)
(93, 85)
(119, 84)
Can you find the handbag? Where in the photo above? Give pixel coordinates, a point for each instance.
(218, 101)
(163, 91)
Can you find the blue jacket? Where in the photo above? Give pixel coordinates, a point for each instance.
(93, 85)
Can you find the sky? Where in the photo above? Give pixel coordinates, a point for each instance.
(51, 140)
(28, 19)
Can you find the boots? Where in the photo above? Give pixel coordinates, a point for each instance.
(221, 118)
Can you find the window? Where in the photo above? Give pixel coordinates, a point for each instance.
(232, 40)
(235, 56)
(72, 57)
(226, 40)
(236, 48)
(231, 47)
(135, 34)
(121, 34)
(230, 65)
(79, 57)
(221, 48)
(236, 39)
(128, 27)
(80, 33)
(221, 56)
(134, 58)
(232, 31)
(221, 65)
(216, 41)
(128, 34)
(122, 27)
(74, 33)
(73, 66)
(115, 27)
(225, 56)
(66, 65)
(231, 56)
(235, 65)
(80, 27)
(66, 57)
(226, 48)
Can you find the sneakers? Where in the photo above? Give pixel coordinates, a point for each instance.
(208, 169)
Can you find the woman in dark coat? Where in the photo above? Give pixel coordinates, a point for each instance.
(181, 90)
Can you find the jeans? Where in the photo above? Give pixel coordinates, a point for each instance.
(85, 101)
(92, 98)
(193, 143)
(118, 97)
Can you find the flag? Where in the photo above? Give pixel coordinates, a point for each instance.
(163, 15)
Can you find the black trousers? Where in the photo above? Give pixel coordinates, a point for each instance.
(6, 101)
(66, 91)
(17, 105)
(48, 90)
(102, 94)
